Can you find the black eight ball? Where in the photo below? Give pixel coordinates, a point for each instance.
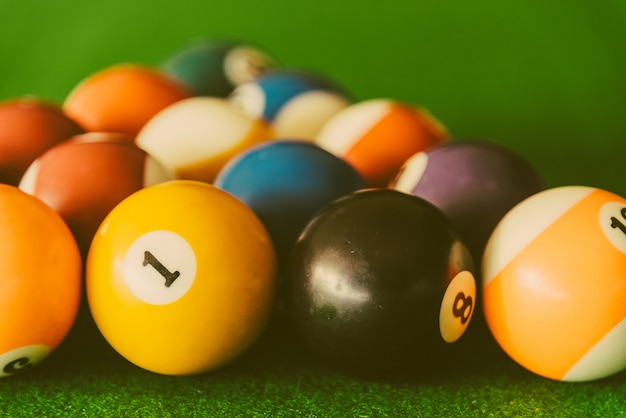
(379, 281)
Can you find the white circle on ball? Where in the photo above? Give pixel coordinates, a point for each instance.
(246, 63)
(613, 222)
(160, 267)
(457, 306)
(22, 358)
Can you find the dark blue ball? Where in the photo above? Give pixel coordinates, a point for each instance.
(286, 182)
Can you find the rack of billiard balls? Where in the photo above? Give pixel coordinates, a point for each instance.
(195, 200)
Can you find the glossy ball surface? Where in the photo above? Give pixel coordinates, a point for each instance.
(378, 281)
(296, 104)
(29, 127)
(196, 137)
(181, 278)
(554, 283)
(473, 182)
(85, 177)
(41, 282)
(377, 136)
(286, 183)
(121, 98)
(211, 67)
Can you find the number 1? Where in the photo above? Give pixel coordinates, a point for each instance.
(163, 271)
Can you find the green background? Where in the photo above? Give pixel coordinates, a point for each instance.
(545, 78)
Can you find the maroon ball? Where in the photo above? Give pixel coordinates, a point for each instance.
(474, 183)
(86, 176)
(29, 127)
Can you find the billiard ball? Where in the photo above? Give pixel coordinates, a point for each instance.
(195, 137)
(378, 282)
(214, 67)
(473, 182)
(296, 103)
(377, 136)
(181, 278)
(30, 126)
(41, 281)
(285, 182)
(121, 98)
(84, 177)
(554, 283)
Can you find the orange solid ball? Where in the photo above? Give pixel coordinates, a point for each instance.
(29, 127)
(121, 98)
(41, 280)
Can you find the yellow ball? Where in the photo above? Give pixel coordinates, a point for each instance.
(181, 278)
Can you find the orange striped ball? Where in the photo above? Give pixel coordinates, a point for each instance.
(554, 283)
(377, 136)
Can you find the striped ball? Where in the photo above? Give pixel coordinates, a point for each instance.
(195, 137)
(377, 136)
(554, 283)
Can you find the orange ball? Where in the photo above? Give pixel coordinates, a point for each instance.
(121, 98)
(40, 288)
(554, 283)
(29, 127)
(377, 136)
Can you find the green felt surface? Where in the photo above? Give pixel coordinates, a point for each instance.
(277, 378)
(545, 78)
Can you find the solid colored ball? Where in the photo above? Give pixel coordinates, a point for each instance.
(84, 178)
(195, 137)
(377, 136)
(121, 98)
(286, 183)
(29, 126)
(41, 280)
(473, 182)
(181, 278)
(554, 289)
(379, 282)
(210, 67)
(296, 103)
